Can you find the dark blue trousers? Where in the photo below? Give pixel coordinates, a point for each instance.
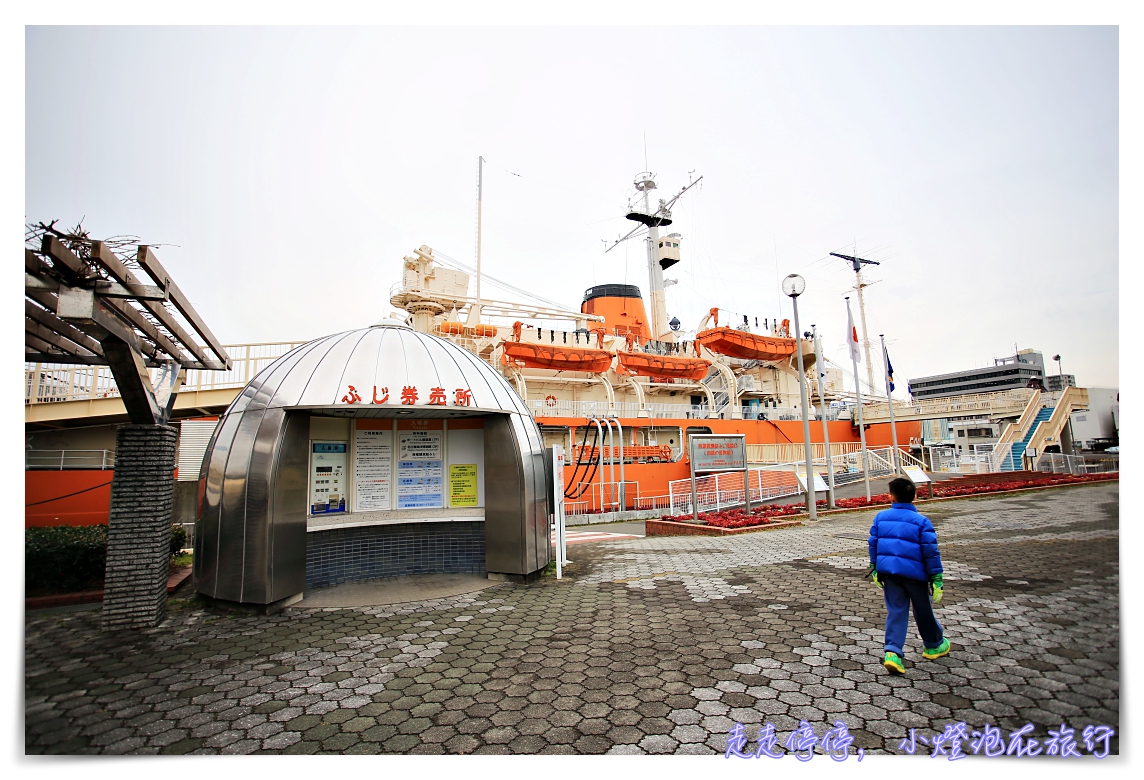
(900, 592)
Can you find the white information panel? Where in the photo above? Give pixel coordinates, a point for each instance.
(373, 469)
(916, 474)
(820, 485)
(420, 483)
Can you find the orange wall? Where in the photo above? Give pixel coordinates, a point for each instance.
(765, 431)
(87, 508)
(653, 477)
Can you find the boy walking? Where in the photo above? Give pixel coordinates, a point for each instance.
(906, 564)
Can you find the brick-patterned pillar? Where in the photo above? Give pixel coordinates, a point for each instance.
(139, 527)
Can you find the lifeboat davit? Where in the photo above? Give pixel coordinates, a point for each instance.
(665, 366)
(744, 345)
(558, 356)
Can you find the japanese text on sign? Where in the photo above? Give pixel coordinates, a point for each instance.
(411, 396)
(719, 453)
(419, 477)
(462, 484)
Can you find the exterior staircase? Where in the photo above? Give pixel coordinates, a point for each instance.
(1012, 463)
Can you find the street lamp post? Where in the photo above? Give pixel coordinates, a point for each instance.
(794, 286)
(1061, 375)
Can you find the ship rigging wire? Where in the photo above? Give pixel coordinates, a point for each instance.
(460, 266)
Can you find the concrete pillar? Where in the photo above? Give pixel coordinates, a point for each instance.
(139, 527)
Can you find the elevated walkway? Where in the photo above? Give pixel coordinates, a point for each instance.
(56, 394)
(1007, 403)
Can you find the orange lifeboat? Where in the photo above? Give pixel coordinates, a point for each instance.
(664, 366)
(556, 354)
(746, 346)
(448, 328)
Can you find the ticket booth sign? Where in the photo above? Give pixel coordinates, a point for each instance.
(327, 477)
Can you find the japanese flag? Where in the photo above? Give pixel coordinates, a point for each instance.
(852, 336)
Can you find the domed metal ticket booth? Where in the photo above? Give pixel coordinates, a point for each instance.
(377, 452)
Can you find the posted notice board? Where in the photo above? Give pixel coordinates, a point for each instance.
(373, 467)
(420, 482)
(462, 484)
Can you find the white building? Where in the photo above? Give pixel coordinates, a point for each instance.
(1100, 420)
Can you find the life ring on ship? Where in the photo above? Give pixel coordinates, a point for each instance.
(550, 400)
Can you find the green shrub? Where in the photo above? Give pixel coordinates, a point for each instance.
(64, 558)
(70, 558)
(178, 538)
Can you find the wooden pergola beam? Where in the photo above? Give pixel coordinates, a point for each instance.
(66, 329)
(33, 328)
(154, 268)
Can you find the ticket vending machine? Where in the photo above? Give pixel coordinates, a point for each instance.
(327, 477)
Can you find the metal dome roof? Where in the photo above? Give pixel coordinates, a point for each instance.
(387, 357)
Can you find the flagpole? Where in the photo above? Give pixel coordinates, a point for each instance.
(825, 428)
(858, 394)
(890, 401)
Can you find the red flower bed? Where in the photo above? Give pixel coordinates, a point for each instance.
(737, 518)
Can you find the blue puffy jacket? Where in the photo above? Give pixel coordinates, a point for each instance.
(903, 542)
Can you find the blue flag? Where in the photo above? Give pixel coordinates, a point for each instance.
(889, 368)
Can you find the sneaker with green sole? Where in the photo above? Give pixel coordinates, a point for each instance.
(937, 652)
(893, 662)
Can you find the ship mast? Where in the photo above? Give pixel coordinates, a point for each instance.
(474, 317)
(645, 184)
(653, 220)
(857, 263)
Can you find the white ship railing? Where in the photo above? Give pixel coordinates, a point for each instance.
(58, 460)
(56, 382)
(563, 408)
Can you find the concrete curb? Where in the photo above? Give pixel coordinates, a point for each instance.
(668, 528)
(93, 596)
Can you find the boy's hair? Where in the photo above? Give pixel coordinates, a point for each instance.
(903, 490)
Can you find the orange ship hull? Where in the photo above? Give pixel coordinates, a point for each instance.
(666, 366)
(746, 346)
(558, 356)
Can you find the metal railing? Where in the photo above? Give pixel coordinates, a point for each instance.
(792, 453)
(561, 408)
(602, 496)
(1057, 463)
(59, 460)
(720, 491)
(949, 406)
(653, 502)
(56, 382)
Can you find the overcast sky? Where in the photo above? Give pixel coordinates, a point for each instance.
(290, 169)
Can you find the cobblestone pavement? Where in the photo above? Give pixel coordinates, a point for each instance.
(651, 646)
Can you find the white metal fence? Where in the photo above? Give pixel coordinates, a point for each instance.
(721, 491)
(55, 382)
(1056, 463)
(592, 497)
(58, 460)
